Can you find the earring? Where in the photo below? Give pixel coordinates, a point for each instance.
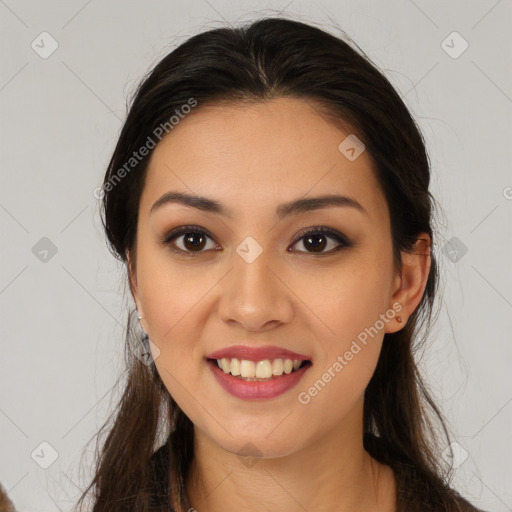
(399, 319)
(140, 317)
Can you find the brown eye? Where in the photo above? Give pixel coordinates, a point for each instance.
(316, 242)
(188, 240)
(194, 241)
(317, 239)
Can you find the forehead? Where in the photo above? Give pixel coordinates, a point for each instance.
(258, 154)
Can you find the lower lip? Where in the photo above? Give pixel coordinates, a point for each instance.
(257, 390)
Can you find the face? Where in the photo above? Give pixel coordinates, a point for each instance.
(246, 275)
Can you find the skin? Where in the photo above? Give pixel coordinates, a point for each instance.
(252, 158)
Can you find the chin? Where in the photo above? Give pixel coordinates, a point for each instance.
(257, 445)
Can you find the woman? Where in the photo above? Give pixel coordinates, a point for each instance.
(269, 197)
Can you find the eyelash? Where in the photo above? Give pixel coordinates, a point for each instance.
(316, 230)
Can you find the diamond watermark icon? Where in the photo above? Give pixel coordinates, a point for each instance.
(44, 45)
(351, 147)
(44, 249)
(249, 454)
(249, 249)
(44, 455)
(146, 352)
(455, 249)
(455, 455)
(454, 45)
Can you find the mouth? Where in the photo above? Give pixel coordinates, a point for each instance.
(259, 371)
(258, 380)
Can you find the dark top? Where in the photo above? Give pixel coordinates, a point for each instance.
(409, 492)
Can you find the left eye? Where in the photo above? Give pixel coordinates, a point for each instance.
(194, 240)
(317, 239)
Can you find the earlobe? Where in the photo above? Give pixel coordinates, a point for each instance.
(411, 282)
(132, 280)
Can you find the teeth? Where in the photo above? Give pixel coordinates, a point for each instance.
(277, 367)
(225, 365)
(235, 367)
(258, 370)
(263, 369)
(247, 368)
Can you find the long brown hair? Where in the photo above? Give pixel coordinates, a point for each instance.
(270, 58)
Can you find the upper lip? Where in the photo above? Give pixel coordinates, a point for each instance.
(256, 353)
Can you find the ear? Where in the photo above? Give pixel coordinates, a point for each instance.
(132, 281)
(409, 284)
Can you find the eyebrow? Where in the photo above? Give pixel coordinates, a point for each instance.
(295, 207)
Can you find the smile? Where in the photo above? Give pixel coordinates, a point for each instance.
(252, 387)
(258, 370)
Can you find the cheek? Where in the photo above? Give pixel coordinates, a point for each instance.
(174, 313)
(345, 365)
(348, 320)
(347, 300)
(172, 295)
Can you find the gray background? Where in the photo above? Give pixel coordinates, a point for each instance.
(63, 314)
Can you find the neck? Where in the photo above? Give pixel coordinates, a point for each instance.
(332, 473)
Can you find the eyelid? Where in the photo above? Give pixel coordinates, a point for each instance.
(340, 238)
(325, 230)
(182, 230)
(179, 231)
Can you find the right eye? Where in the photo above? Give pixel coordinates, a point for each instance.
(193, 240)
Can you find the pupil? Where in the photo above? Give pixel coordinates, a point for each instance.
(189, 239)
(319, 246)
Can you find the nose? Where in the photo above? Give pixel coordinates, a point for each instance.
(254, 296)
